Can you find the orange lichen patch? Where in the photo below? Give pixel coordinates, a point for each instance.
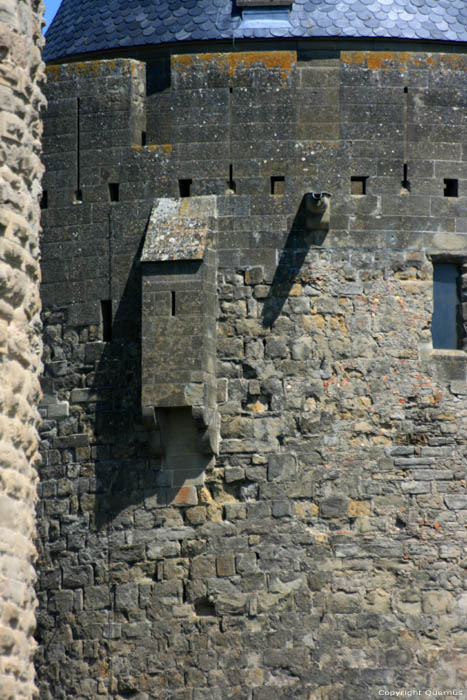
(357, 508)
(402, 60)
(282, 60)
(186, 496)
(242, 60)
(89, 68)
(257, 407)
(377, 60)
(52, 73)
(296, 290)
(453, 61)
(305, 510)
(92, 69)
(183, 60)
(165, 148)
(356, 58)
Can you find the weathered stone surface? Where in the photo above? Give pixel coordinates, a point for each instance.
(326, 539)
(21, 80)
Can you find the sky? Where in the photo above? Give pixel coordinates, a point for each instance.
(51, 7)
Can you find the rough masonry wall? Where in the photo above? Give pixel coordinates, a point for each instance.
(324, 556)
(21, 78)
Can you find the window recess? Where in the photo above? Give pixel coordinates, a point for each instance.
(446, 326)
(358, 184)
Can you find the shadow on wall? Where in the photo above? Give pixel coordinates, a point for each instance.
(296, 248)
(122, 471)
(129, 468)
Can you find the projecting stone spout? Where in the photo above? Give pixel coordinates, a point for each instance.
(179, 331)
(318, 210)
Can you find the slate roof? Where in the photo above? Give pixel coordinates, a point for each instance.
(82, 26)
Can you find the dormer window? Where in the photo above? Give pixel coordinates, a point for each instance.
(264, 3)
(265, 16)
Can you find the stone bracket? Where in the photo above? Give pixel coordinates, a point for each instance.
(208, 425)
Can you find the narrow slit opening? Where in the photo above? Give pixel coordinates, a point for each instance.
(114, 191)
(277, 185)
(143, 138)
(172, 309)
(44, 200)
(358, 184)
(106, 320)
(405, 178)
(184, 187)
(451, 187)
(232, 184)
(78, 196)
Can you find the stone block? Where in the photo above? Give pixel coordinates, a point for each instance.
(96, 597)
(225, 565)
(58, 410)
(280, 509)
(112, 631)
(77, 576)
(437, 602)
(234, 474)
(62, 601)
(334, 507)
(196, 516)
(456, 501)
(235, 511)
(282, 467)
(254, 275)
(203, 567)
(127, 596)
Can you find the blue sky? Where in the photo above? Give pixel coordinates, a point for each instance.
(51, 7)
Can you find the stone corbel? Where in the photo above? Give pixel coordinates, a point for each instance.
(152, 427)
(207, 425)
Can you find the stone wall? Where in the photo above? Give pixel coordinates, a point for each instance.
(21, 78)
(322, 554)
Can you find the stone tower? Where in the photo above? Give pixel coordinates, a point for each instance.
(254, 480)
(21, 77)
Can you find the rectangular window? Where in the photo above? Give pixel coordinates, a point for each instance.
(451, 187)
(446, 325)
(358, 184)
(114, 191)
(184, 187)
(266, 16)
(277, 184)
